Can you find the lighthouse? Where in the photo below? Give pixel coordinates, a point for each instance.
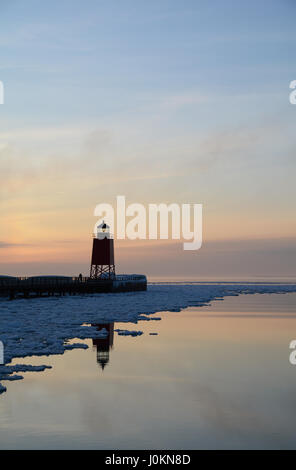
(102, 260)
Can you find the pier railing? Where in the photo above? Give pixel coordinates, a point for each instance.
(58, 281)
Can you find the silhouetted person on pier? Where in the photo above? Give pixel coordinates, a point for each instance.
(80, 277)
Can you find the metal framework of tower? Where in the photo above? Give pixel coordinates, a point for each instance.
(102, 271)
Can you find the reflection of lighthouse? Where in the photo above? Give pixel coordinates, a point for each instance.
(104, 345)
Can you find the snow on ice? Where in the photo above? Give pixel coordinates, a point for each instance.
(42, 327)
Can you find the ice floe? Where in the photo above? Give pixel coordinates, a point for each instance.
(128, 332)
(42, 327)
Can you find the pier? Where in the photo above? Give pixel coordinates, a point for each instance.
(41, 286)
(102, 278)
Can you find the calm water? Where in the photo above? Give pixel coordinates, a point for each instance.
(213, 377)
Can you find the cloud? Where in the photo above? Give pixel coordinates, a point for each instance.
(44, 133)
(9, 245)
(174, 101)
(58, 159)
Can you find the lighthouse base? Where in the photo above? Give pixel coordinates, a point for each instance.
(102, 272)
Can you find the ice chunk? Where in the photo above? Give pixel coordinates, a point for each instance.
(42, 327)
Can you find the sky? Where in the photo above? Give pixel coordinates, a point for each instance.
(161, 101)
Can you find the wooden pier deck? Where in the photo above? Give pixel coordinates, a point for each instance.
(56, 285)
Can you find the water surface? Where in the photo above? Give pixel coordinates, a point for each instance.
(213, 377)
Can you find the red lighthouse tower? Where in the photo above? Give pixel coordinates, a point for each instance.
(102, 261)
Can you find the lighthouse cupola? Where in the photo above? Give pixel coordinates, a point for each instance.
(103, 231)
